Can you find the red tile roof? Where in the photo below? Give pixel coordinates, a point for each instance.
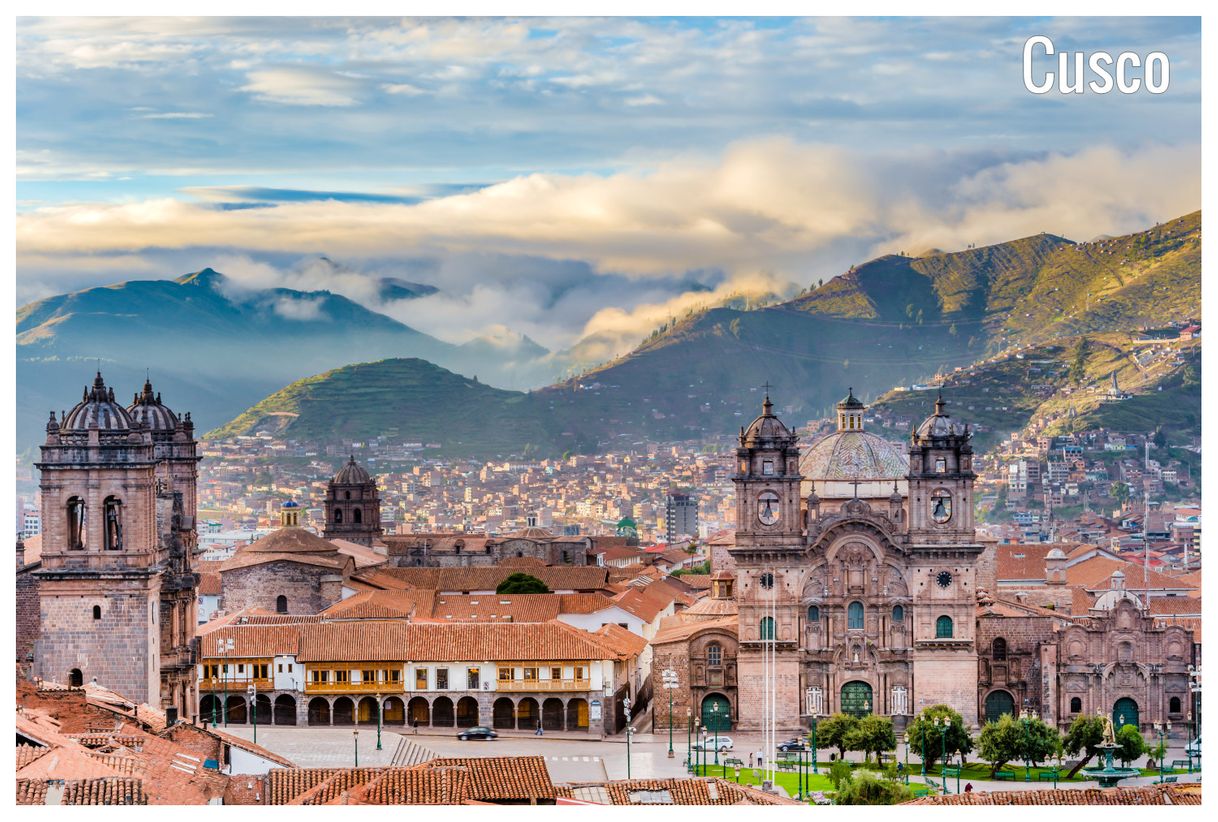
(1140, 795)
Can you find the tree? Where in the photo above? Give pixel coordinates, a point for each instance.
(521, 583)
(1130, 745)
(1000, 742)
(865, 789)
(872, 733)
(923, 730)
(839, 772)
(835, 731)
(1160, 438)
(1083, 737)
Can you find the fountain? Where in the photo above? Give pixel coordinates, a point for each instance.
(1108, 776)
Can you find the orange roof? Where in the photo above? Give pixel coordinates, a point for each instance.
(252, 641)
(103, 791)
(1140, 795)
(676, 629)
(381, 605)
(498, 778)
(456, 580)
(1096, 574)
(679, 790)
(419, 785)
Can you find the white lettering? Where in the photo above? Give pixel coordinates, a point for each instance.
(1159, 59)
(1127, 58)
(1103, 73)
(1079, 71)
(1040, 40)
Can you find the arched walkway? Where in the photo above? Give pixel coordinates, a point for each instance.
(418, 711)
(857, 699)
(577, 715)
(211, 709)
(1125, 712)
(236, 710)
(285, 710)
(319, 711)
(344, 711)
(998, 703)
(393, 712)
(366, 715)
(504, 713)
(717, 712)
(467, 712)
(442, 713)
(262, 709)
(527, 714)
(552, 714)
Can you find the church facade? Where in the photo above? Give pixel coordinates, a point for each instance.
(857, 569)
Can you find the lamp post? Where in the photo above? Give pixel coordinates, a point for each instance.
(1194, 692)
(715, 722)
(1162, 729)
(702, 752)
(906, 740)
(689, 733)
(815, 750)
(355, 736)
(942, 723)
(671, 683)
(224, 646)
(252, 692)
(378, 721)
(1025, 719)
(923, 735)
(215, 713)
(626, 703)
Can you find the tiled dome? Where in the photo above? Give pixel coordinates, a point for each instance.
(98, 409)
(351, 474)
(148, 410)
(854, 455)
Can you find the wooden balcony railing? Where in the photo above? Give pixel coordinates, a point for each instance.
(234, 686)
(515, 685)
(354, 687)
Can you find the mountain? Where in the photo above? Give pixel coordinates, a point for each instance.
(409, 400)
(210, 346)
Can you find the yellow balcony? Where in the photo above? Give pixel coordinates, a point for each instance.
(235, 685)
(353, 687)
(516, 685)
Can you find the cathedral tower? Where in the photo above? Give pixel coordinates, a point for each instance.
(353, 506)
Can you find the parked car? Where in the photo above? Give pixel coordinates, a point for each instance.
(1193, 748)
(795, 744)
(480, 732)
(711, 743)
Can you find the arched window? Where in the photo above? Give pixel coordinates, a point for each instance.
(97, 612)
(1173, 705)
(943, 627)
(714, 654)
(76, 523)
(1076, 704)
(999, 649)
(898, 613)
(75, 678)
(113, 522)
(767, 627)
(813, 614)
(346, 495)
(281, 604)
(338, 516)
(357, 516)
(854, 615)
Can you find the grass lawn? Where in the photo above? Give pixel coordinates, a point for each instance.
(788, 781)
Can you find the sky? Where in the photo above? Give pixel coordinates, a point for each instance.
(575, 180)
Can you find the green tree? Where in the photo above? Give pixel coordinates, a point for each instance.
(872, 733)
(1010, 739)
(839, 772)
(1159, 439)
(1082, 738)
(835, 731)
(521, 583)
(866, 789)
(1130, 744)
(923, 730)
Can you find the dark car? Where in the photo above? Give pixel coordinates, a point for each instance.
(481, 732)
(793, 745)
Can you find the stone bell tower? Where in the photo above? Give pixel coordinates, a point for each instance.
(768, 550)
(353, 506)
(943, 563)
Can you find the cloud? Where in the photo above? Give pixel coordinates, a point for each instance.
(298, 309)
(303, 86)
(177, 115)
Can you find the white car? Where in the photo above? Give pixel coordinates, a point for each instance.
(711, 743)
(1193, 748)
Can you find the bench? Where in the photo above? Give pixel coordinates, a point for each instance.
(1181, 763)
(951, 771)
(920, 791)
(1048, 776)
(732, 761)
(1005, 775)
(1171, 779)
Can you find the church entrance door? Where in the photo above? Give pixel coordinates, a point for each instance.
(856, 699)
(717, 713)
(1124, 712)
(997, 704)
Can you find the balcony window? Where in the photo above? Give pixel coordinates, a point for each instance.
(530, 674)
(943, 627)
(442, 679)
(505, 674)
(581, 673)
(767, 627)
(342, 677)
(854, 616)
(556, 673)
(473, 680)
(420, 679)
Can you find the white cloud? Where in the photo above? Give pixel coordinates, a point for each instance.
(303, 86)
(177, 115)
(302, 309)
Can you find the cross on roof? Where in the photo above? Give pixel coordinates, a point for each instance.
(855, 482)
(767, 388)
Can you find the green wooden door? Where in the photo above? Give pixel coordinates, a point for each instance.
(997, 704)
(1125, 712)
(856, 699)
(717, 713)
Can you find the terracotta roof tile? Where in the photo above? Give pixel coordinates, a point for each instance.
(285, 784)
(672, 791)
(1140, 795)
(110, 791)
(456, 580)
(497, 778)
(415, 786)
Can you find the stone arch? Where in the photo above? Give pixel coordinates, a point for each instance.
(418, 711)
(577, 714)
(467, 712)
(211, 709)
(997, 703)
(1076, 704)
(281, 604)
(262, 709)
(716, 712)
(393, 711)
(857, 698)
(552, 714)
(237, 712)
(527, 714)
(442, 715)
(366, 711)
(343, 711)
(1173, 705)
(357, 516)
(338, 516)
(319, 711)
(285, 710)
(1125, 712)
(503, 713)
(76, 679)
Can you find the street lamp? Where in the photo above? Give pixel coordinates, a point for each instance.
(689, 732)
(252, 692)
(215, 713)
(715, 722)
(1025, 719)
(1194, 726)
(626, 703)
(1162, 729)
(671, 683)
(942, 723)
(224, 646)
(815, 750)
(923, 735)
(355, 736)
(906, 740)
(378, 721)
(702, 750)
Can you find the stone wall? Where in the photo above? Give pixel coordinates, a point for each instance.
(309, 588)
(27, 617)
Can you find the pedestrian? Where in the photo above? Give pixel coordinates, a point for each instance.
(968, 787)
(750, 760)
(539, 732)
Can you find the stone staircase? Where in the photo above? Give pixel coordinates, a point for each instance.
(410, 753)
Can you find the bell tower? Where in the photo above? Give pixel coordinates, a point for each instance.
(943, 564)
(353, 506)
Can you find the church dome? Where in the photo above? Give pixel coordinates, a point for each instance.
(352, 474)
(766, 429)
(854, 455)
(148, 410)
(938, 424)
(98, 408)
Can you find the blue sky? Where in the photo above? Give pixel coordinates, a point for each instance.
(572, 178)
